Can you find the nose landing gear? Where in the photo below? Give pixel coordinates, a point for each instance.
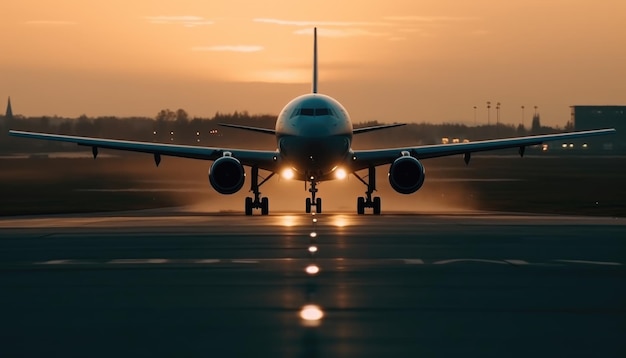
(312, 201)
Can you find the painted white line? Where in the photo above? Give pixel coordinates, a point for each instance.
(414, 261)
(138, 261)
(517, 262)
(245, 261)
(206, 261)
(605, 263)
(443, 262)
(57, 262)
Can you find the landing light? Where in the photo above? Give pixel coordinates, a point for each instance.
(340, 174)
(288, 174)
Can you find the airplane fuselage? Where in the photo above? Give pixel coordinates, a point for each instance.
(314, 136)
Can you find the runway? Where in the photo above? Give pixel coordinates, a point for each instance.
(176, 283)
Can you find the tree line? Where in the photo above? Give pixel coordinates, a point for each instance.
(178, 127)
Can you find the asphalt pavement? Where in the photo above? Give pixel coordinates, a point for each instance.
(170, 283)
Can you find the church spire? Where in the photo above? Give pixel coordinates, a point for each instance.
(9, 113)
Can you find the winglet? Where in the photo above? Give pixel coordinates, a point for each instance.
(315, 60)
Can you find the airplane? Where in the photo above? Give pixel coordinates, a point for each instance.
(314, 138)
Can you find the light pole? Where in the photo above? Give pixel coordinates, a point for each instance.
(523, 118)
(497, 114)
(474, 116)
(488, 113)
(497, 118)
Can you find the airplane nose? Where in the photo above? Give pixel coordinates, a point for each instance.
(315, 127)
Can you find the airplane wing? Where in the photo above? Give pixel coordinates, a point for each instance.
(365, 158)
(265, 160)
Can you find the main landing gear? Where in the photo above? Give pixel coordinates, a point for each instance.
(368, 201)
(312, 201)
(257, 202)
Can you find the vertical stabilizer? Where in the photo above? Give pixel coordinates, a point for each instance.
(315, 60)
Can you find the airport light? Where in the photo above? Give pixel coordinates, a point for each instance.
(311, 314)
(312, 249)
(288, 174)
(313, 234)
(312, 269)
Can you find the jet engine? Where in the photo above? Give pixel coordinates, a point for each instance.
(406, 175)
(227, 175)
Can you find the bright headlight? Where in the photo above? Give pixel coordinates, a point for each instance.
(340, 174)
(287, 173)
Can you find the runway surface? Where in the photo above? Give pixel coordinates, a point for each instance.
(178, 284)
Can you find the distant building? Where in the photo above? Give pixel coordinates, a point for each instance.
(9, 112)
(599, 117)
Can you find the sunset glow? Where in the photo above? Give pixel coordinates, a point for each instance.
(388, 61)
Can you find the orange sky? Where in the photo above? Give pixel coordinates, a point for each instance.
(392, 60)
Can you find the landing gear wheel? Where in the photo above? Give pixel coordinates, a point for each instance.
(318, 205)
(360, 205)
(376, 205)
(257, 202)
(248, 206)
(308, 205)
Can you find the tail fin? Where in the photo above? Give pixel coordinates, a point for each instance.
(315, 60)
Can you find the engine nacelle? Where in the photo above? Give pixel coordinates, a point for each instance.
(406, 175)
(227, 175)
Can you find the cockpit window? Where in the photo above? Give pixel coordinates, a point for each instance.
(312, 112)
(307, 112)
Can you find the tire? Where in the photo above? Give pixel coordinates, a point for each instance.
(308, 205)
(360, 205)
(265, 206)
(318, 205)
(376, 202)
(248, 206)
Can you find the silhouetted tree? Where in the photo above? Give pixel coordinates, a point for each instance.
(536, 124)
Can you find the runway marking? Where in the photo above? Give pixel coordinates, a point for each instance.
(59, 262)
(605, 263)
(206, 261)
(444, 262)
(337, 262)
(138, 261)
(414, 261)
(517, 262)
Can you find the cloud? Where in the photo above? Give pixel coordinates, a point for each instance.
(319, 23)
(187, 21)
(50, 23)
(340, 32)
(427, 19)
(228, 48)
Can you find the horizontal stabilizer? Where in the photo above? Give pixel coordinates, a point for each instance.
(254, 129)
(375, 128)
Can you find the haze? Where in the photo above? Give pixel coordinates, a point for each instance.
(393, 60)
